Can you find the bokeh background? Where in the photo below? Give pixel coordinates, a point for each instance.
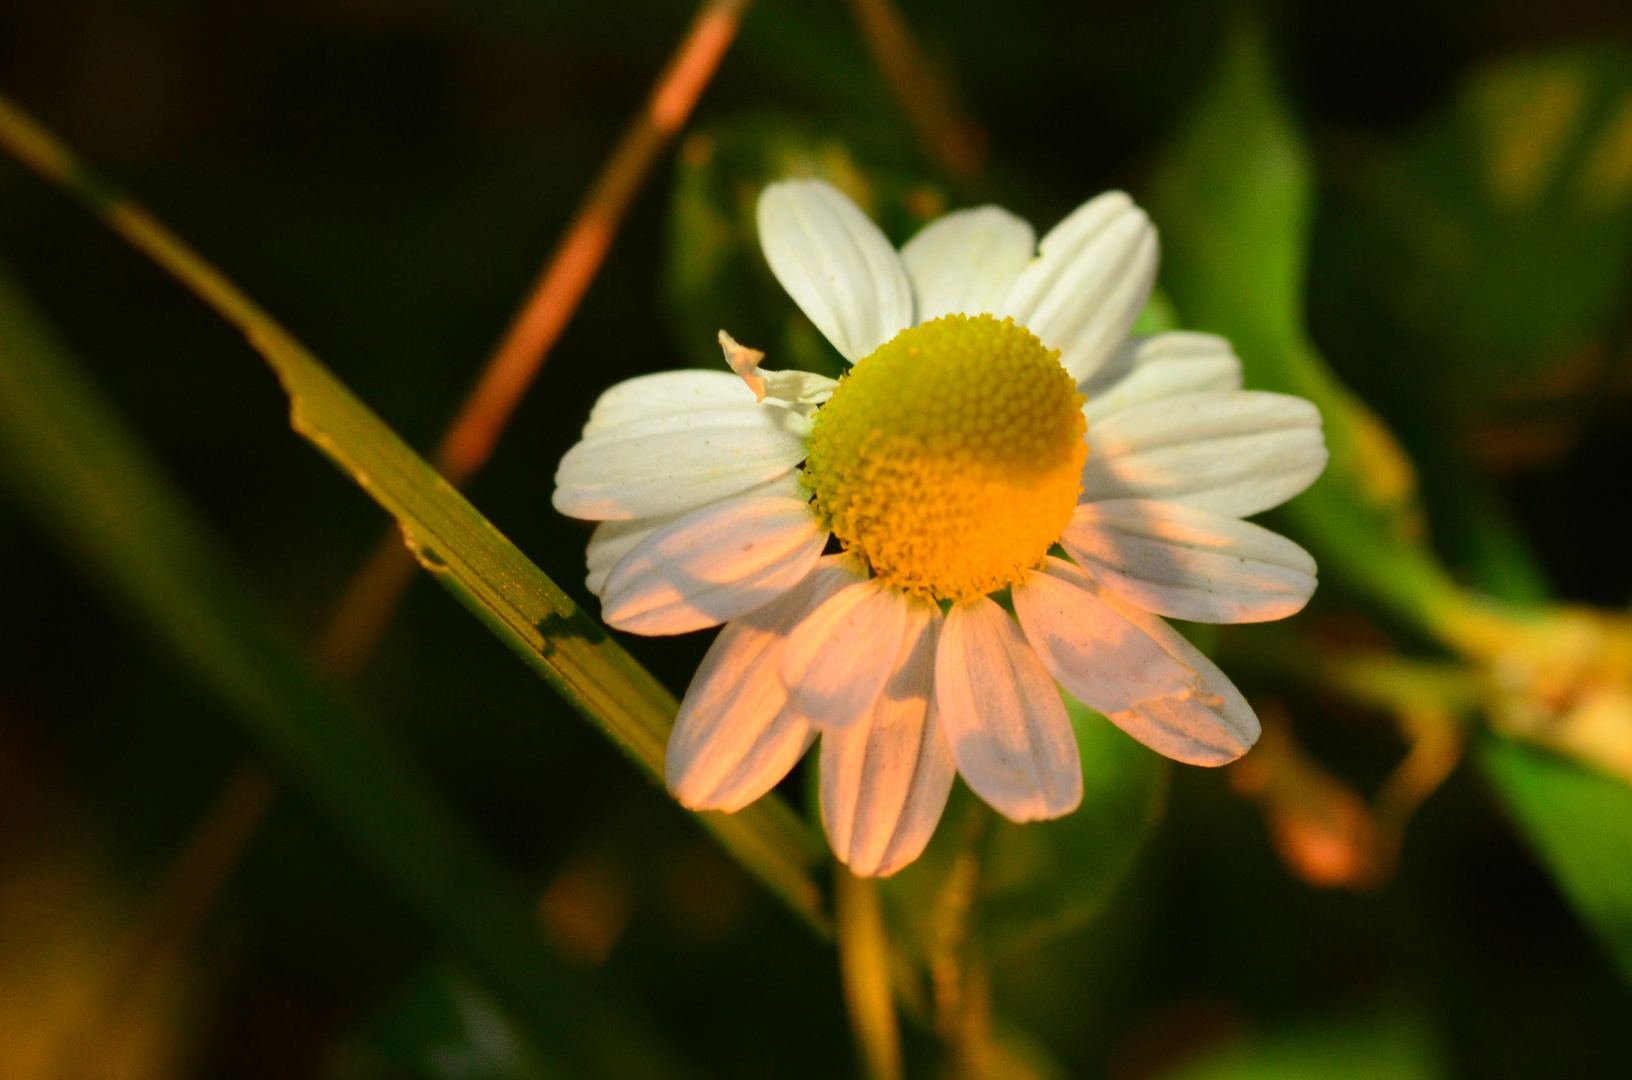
(386, 176)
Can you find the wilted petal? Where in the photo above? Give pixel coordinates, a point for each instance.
(735, 738)
(1232, 453)
(1167, 365)
(713, 564)
(1100, 658)
(1091, 279)
(1003, 716)
(966, 261)
(668, 464)
(1190, 564)
(885, 779)
(836, 264)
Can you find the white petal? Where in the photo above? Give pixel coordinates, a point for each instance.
(839, 658)
(967, 261)
(1212, 727)
(1100, 658)
(1085, 290)
(612, 540)
(735, 738)
(667, 464)
(1190, 564)
(885, 779)
(836, 264)
(663, 394)
(1232, 453)
(713, 564)
(1163, 366)
(1003, 716)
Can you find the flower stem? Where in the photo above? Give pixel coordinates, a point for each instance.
(865, 966)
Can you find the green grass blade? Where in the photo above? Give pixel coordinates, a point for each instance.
(91, 483)
(450, 538)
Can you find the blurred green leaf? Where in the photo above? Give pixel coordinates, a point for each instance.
(1045, 878)
(450, 538)
(1232, 197)
(1233, 200)
(715, 277)
(1393, 1046)
(1580, 822)
(441, 1026)
(94, 486)
(1488, 256)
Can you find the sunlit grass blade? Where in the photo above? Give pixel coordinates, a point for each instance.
(91, 484)
(449, 537)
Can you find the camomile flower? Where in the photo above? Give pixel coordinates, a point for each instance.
(997, 415)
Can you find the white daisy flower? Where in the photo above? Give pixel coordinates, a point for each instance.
(997, 412)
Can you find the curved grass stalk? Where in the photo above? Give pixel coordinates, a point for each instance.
(448, 536)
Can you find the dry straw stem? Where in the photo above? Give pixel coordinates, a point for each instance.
(187, 890)
(951, 139)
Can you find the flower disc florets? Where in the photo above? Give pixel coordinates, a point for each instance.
(951, 458)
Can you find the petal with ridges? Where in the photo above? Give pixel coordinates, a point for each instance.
(967, 261)
(665, 393)
(1167, 365)
(669, 464)
(1213, 727)
(612, 540)
(1190, 564)
(836, 264)
(713, 564)
(1101, 659)
(1091, 279)
(735, 738)
(1003, 716)
(885, 779)
(838, 660)
(1234, 453)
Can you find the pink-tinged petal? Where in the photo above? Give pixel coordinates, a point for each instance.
(886, 778)
(1101, 658)
(735, 737)
(1213, 726)
(837, 662)
(712, 565)
(1003, 716)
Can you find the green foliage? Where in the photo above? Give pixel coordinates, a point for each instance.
(92, 484)
(1580, 822)
(450, 538)
(1489, 251)
(1389, 1046)
(442, 1026)
(1233, 197)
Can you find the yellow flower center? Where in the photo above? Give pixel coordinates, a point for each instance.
(950, 459)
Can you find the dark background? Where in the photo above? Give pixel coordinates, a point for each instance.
(386, 176)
